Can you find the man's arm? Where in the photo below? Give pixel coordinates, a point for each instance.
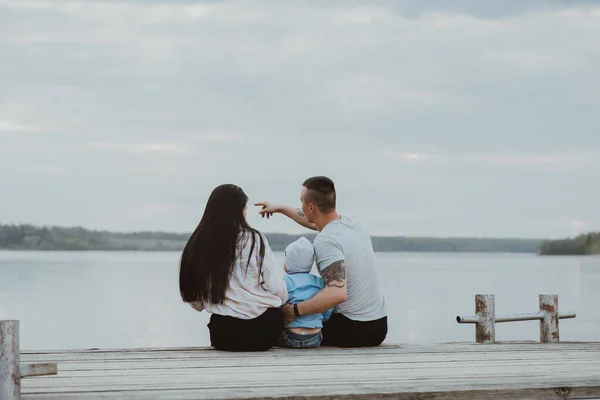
(295, 214)
(333, 293)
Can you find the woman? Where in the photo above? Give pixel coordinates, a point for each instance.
(228, 269)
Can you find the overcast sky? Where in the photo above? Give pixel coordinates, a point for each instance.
(454, 118)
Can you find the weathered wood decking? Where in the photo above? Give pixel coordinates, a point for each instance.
(456, 371)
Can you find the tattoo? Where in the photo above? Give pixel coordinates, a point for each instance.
(300, 212)
(335, 274)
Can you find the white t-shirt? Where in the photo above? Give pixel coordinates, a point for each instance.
(345, 239)
(249, 296)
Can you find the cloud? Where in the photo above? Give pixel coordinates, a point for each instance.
(7, 126)
(220, 137)
(431, 116)
(155, 148)
(412, 156)
(533, 160)
(576, 224)
(152, 210)
(514, 160)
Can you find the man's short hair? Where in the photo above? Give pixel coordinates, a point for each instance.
(321, 192)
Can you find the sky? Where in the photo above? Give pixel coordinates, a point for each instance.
(450, 118)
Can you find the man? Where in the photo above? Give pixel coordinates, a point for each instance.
(346, 261)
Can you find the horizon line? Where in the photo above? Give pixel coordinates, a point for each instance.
(374, 235)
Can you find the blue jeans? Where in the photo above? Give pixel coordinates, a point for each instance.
(296, 341)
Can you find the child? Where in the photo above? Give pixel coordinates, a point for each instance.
(305, 331)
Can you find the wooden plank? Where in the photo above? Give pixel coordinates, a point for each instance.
(213, 379)
(333, 391)
(341, 392)
(85, 368)
(369, 386)
(541, 377)
(10, 388)
(38, 369)
(455, 370)
(383, 364)
(201, 352)
(157, 375)
(386, 349)
(269, 355)
(492, 394)
(307, 360)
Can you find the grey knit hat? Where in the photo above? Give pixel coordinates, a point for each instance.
(299, 256)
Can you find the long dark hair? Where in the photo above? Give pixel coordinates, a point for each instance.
(209, 256)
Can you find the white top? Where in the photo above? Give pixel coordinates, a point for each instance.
(345, 239)
(248, 296)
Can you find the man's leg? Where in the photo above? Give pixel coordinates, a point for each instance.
(375, 332)
(333, 331)
(341, 331)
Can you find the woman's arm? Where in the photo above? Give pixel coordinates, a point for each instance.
(295, 214)
(197, 305)
(273, 275)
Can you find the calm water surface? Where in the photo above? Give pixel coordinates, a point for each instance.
(131, 299)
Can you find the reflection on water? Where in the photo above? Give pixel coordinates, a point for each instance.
(131, 299)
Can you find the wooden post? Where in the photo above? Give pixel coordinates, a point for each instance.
(549, 321)
(485, 308)
(10, 374)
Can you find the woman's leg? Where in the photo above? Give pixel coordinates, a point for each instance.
(264, 332)
(234, 334)
(222, 331)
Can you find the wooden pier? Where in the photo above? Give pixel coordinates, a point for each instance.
(440, 371)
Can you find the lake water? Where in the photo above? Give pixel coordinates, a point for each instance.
(131, 299)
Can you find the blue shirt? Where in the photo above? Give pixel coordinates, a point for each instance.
(303, 287)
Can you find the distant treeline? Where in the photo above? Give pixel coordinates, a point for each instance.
(29, 237)
(586, 244)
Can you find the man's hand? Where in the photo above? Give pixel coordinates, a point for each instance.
(268, 209)
(288, 313)
(296, 214)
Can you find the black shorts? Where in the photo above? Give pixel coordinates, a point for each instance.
(235, 334)
(341, 331)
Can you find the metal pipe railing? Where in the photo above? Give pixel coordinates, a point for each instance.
(485, 320)
(531, 317)
(11, 370)
(514, 317)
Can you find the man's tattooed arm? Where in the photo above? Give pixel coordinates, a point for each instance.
(333, 293)
(300, 212)
(335, 275)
